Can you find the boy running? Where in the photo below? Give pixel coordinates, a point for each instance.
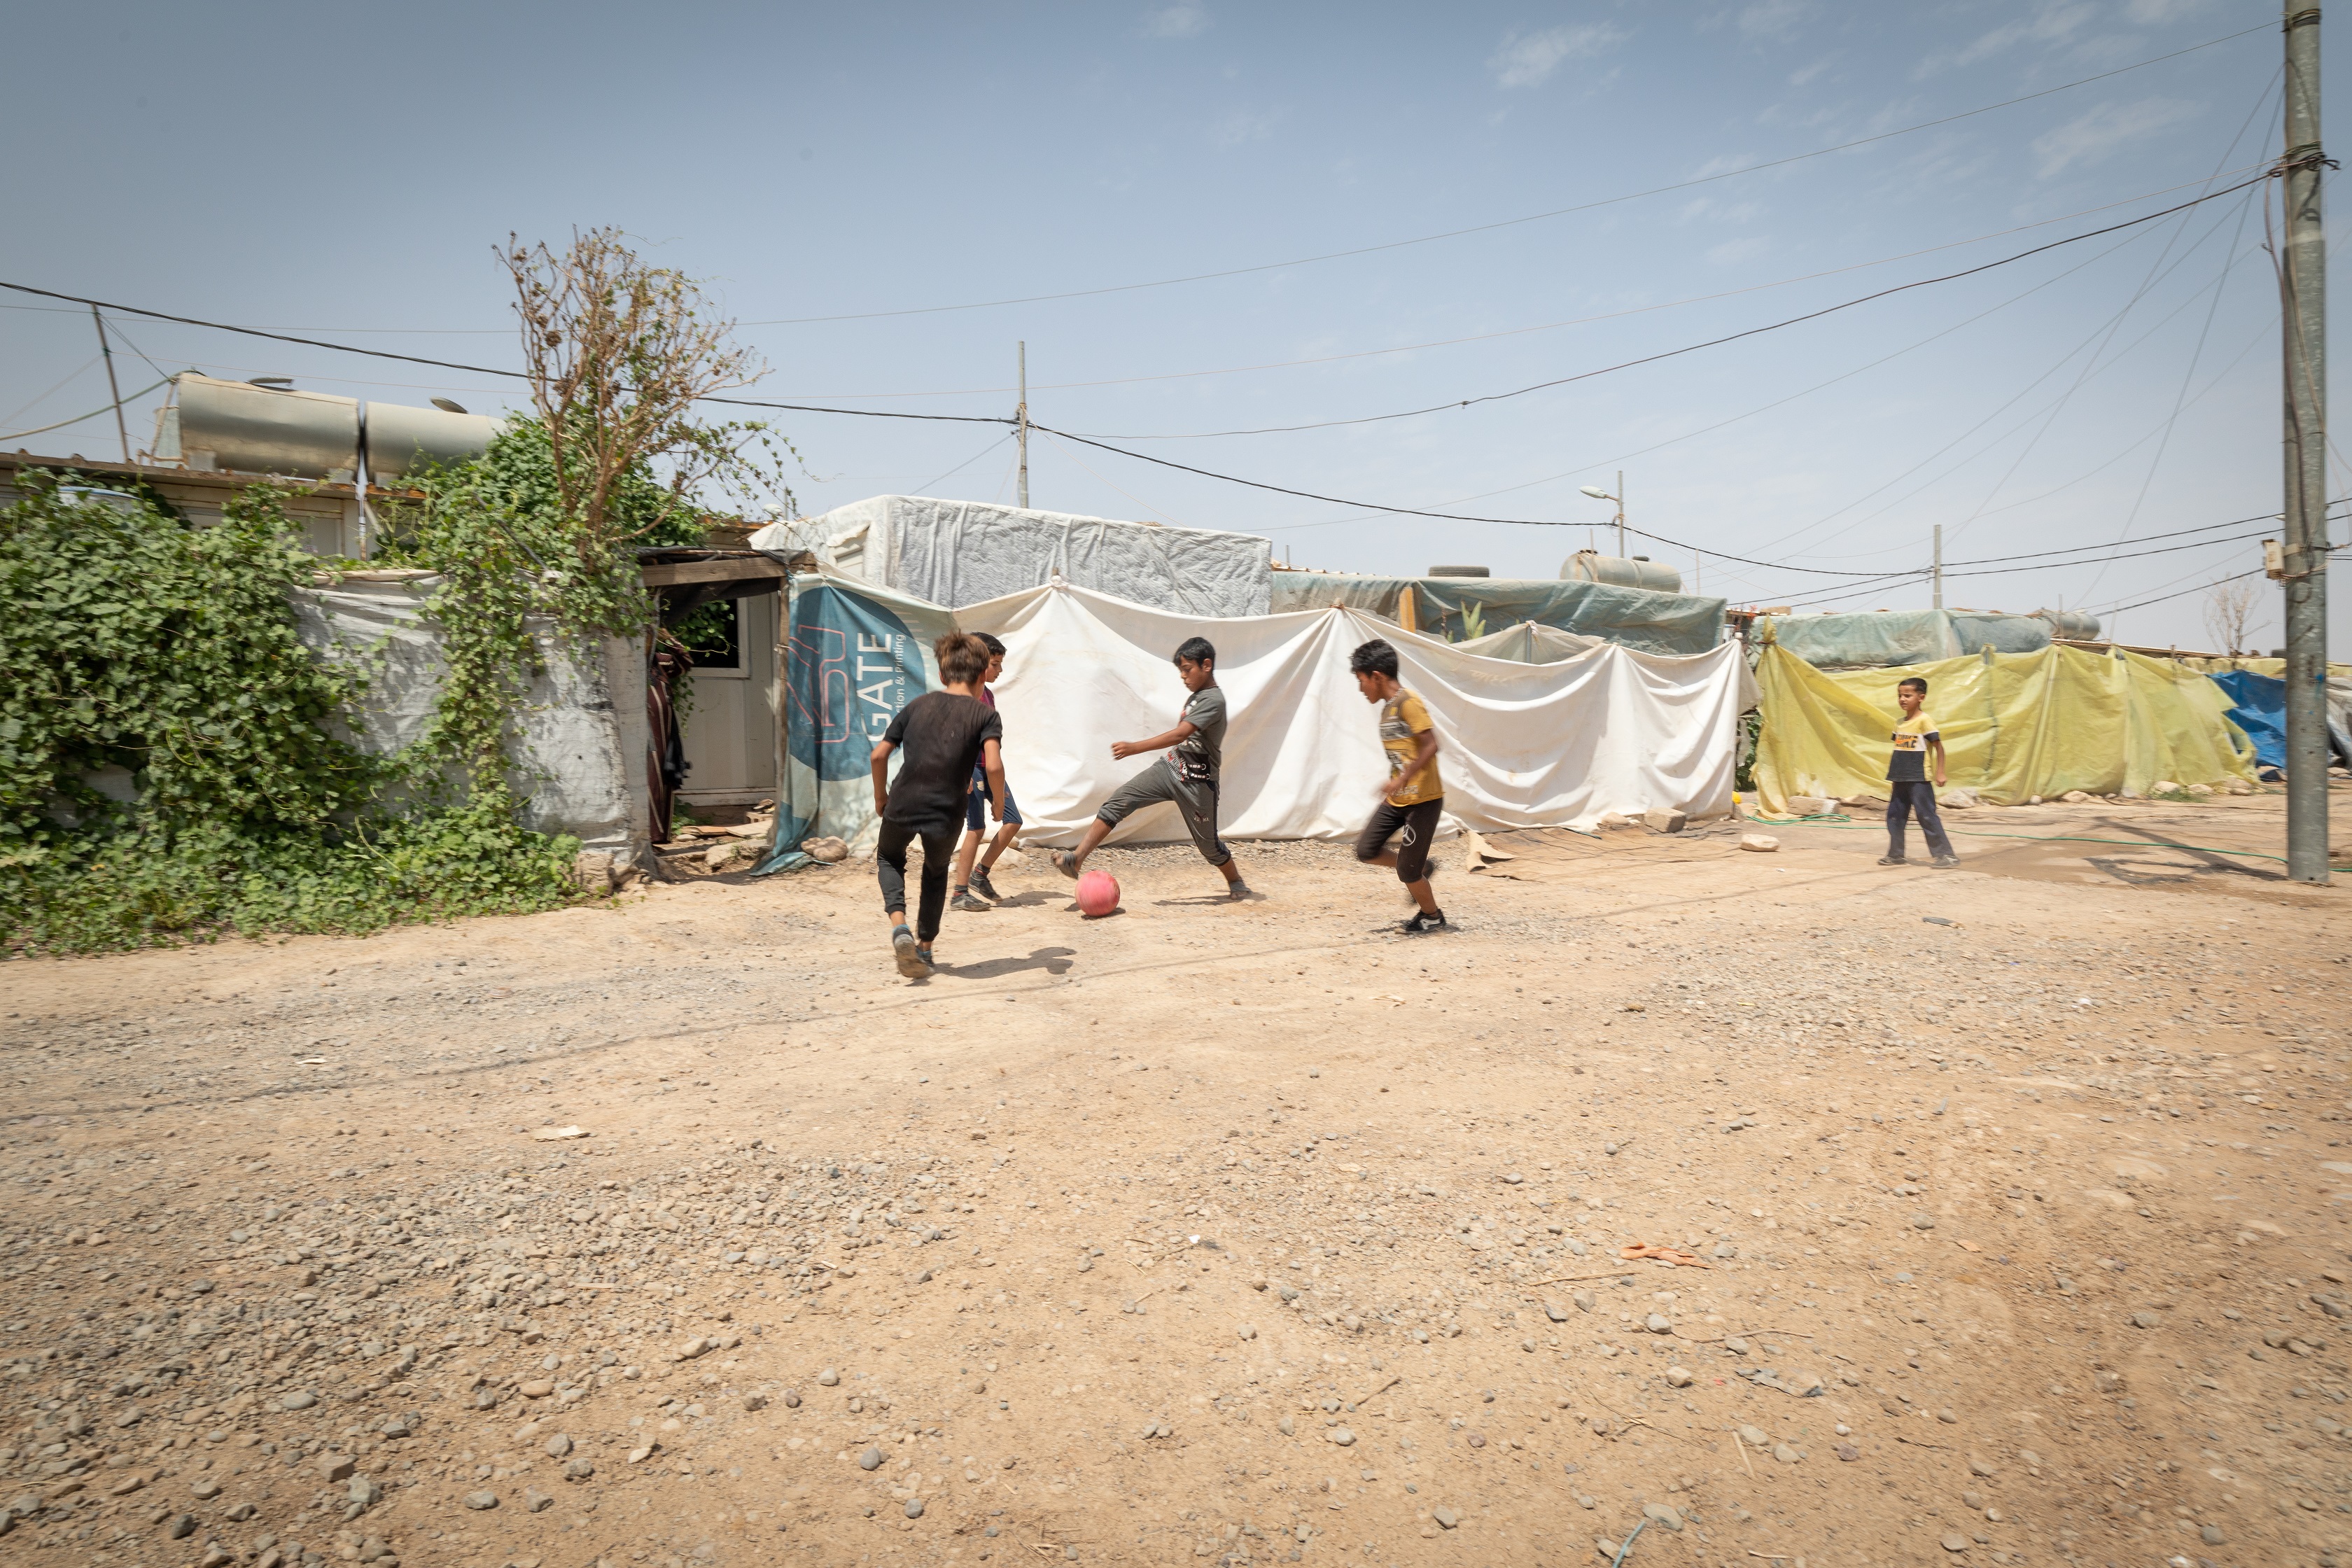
(975, 817)
(945, 734)
(1411, 797)
(1915, 739)
(1187, 774)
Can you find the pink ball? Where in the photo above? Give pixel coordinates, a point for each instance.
(1098, 893)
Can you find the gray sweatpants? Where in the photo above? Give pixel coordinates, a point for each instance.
(1194, 799)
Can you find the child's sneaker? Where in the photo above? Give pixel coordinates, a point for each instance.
(910, 953)
(1424, 922)
(1945, 862)
(1238, 890)
(983, 887)
(964, 901)
(1893, 860)
(1067, 863)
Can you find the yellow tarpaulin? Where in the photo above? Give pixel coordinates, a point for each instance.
(2015, 725)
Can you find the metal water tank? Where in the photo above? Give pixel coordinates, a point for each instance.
(252, 429)
(1622, 572)
(399, 436)
(2076, 625)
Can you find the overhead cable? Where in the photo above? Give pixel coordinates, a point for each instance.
(1514, 222)
(1734, 337)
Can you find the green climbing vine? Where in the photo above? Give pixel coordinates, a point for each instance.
(176, 762)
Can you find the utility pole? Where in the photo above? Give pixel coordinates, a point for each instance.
(1620, 514)
(1021, 418)
(1939, 566)
(2303, 274)
(112, 386)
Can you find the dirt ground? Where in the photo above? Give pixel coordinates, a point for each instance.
(1215, 1232)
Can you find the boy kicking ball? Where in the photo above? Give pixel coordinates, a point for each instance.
(945, 734)
(1909, 791)
(1187, 774)
(1412, 798)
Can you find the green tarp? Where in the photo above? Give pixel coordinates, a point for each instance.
(1461, 608)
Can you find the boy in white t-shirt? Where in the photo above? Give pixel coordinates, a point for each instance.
(1908, 792)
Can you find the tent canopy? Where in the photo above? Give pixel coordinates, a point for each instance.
(1904, 637)
(953, 553)
(1456, 608)
(1524, 745)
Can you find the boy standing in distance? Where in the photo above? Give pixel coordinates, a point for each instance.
(1909, 791)
(975, 815)
(1411, 797)
(945, 734)
(1187, 774)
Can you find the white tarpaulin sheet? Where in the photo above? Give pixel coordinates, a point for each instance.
(580, 761)
(1523, 745)
(954, 554)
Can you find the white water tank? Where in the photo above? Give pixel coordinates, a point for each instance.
(398, 436)
(1622, 572)
(251, 429)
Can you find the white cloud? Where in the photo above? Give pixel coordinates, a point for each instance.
(1733, 251)
(2089, 138)
(2052, 23)
(1526, 60)
(1187, 19)
(1236, 126)
(2157, 12)
(1774, 18)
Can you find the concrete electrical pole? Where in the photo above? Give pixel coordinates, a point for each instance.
(2303, 272)
(1021, 418)
(1939, 566)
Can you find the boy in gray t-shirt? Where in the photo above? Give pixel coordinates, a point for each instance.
(1186, 776)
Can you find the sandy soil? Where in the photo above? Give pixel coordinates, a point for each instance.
(1208, 1232)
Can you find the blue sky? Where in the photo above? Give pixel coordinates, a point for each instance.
(838, 174)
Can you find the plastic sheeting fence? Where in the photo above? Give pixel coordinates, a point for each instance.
(581, 738)
(2014, 725)
(1524, 745)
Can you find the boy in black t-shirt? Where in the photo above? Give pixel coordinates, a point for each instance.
(1187, 776)
(945, 734)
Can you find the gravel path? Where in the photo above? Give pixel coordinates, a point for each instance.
(1206, 1231)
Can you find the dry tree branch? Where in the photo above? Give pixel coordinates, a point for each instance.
(618, 354)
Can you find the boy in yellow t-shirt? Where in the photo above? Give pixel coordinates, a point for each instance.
(1412, 798)
(1908, 792)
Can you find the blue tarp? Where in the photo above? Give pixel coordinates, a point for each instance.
(2258, 705)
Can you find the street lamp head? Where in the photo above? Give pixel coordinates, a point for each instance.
(1596, 492)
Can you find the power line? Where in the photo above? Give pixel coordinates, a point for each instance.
(103, 408)
(1510, 332)
(1508, 223)
(1732, 337)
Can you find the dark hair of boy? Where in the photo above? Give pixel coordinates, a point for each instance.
(988, 641)
(1374, 657)
(1914, 681)
(1196, 650)
(962, 658)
